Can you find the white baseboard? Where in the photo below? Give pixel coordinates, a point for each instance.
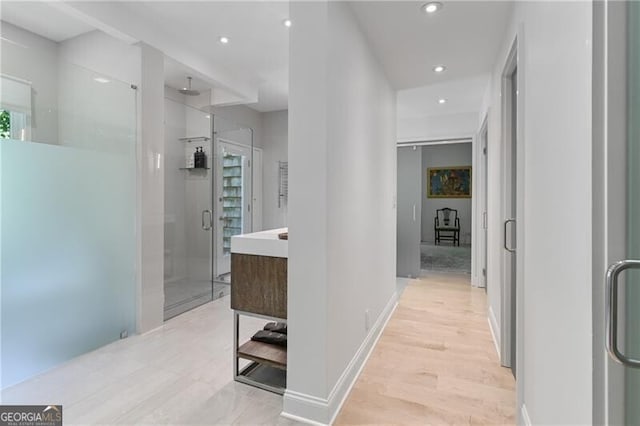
(526, 421)
(319, 411)
(495, 330)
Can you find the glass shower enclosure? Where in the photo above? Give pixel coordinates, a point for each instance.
(208, 181)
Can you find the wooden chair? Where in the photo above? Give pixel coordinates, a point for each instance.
(447, 226)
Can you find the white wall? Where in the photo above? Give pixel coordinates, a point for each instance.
(28, 56)
(104, 54)
(434, 127)
(245, 116)
(444, 156)
(275, 144)
(554, 234)
(342, 161)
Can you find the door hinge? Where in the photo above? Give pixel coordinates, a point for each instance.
(484, 151)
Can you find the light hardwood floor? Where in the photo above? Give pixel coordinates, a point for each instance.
(435, 362)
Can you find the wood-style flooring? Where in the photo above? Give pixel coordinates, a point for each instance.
(178, 374)
(435, 362)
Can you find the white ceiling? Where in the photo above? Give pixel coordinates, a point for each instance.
(258, 50)
(42, 19)
(464, 95)
(464, 35)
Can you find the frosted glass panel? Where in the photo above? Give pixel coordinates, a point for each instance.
(67, 232)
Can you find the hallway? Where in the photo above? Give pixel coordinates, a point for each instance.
(435, 362)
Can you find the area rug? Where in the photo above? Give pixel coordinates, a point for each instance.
(445, 258)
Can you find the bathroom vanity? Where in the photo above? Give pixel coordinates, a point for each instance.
(259, 289)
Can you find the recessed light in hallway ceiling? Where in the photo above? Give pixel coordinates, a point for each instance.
(224, 40)
(286, 23)
(442, 101)
(432, 7)
(439, 68)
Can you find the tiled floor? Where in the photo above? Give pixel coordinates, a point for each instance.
(435, 362)
(178, 374)
(183, 295)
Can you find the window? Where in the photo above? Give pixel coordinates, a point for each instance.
(5, 124)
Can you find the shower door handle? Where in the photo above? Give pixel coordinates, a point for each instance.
(206, 224)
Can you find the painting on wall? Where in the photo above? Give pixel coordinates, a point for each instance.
(449, 182)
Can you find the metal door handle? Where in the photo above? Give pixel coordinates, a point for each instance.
(611, 311)
(506, 247)
(206, 225)
(484, 220)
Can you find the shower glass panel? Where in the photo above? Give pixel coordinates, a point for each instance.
(67, 213)
(233, 190)
(188, 208)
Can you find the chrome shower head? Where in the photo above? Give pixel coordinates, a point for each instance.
(187, 90)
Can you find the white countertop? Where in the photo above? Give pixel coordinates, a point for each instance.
(264, 243)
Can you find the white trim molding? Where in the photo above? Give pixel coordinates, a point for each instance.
(526, 420)
(312, 410)
(495, 330)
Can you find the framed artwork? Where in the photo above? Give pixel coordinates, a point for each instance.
(449, 182)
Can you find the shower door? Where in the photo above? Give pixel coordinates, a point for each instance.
(233, 199)
(188, 209)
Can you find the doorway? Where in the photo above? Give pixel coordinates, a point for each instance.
(424, 203)
(616, 229)
(510, 211)
(233, 198)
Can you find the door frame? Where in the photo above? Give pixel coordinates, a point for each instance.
(481, 204)
(609, 146)
(257, 172)
(517, 52)
(247, 215)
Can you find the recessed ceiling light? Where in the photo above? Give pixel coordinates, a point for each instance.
(439, 68)
(442, 101)
(101, 80)
(224, 40)
(286, 23)
(432, 7)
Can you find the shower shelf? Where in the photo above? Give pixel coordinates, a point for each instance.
(195, 168)
(195, 138)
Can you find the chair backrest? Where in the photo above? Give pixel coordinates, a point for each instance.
(447, 216)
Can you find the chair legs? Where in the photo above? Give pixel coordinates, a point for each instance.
(453, 237)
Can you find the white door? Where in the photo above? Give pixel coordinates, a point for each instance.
(256, 205)
(616, 213)
(511, 200)
(233, 199)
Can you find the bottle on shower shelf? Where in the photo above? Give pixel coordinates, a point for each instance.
(203, 158)
(191, 161)
(197, 158)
